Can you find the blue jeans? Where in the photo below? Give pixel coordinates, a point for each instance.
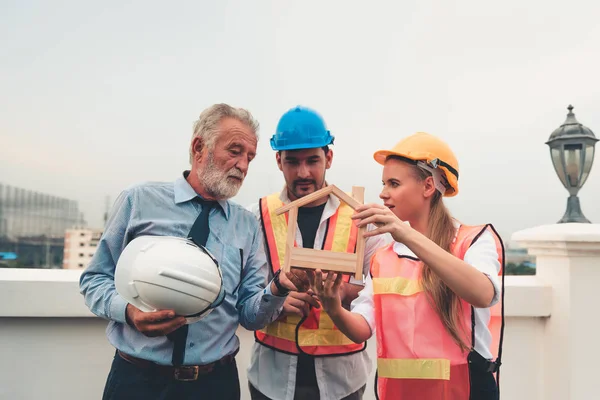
(130, 382)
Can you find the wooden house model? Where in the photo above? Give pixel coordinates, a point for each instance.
(298, 257)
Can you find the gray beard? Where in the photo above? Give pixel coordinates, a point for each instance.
(216, 182)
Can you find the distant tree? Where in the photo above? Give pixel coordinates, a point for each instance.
(519, 269)
(11, 264)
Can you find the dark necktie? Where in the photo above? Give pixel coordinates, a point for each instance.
(199, 235)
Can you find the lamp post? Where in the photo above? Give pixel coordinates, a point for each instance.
(572, 153)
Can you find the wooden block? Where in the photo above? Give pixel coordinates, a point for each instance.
(360, 253)
(323, 260)
(305, 200)
(346, 198)
(291, 236)
(358, 193)
(329, 256)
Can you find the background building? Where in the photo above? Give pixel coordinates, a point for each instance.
(33, 225)
(80, 246)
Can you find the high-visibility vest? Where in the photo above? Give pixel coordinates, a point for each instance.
(315, 334)
(416, 357)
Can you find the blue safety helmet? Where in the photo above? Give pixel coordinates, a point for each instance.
(301, 128)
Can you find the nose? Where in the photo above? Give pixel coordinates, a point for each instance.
(243, 165)
(384, 194)
(303, 171)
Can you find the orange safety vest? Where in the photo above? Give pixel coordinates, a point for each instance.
(315, 334)
(416, 357)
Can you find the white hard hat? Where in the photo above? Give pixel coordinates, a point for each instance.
(165, 272)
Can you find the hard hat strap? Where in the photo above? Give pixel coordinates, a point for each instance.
(439, 179)
(437, 162)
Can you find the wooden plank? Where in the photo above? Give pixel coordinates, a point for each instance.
(360, 253)
(346, 198)
(319, 259)
(324, 254)
(291, 236)
(345, 268)
(305, 200)
(358, 193)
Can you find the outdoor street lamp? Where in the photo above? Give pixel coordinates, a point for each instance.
(572, 153)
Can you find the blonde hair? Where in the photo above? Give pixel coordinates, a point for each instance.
(446, 303)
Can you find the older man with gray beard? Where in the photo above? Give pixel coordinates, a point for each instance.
(222, 147)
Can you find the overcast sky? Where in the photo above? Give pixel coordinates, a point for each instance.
(96, 96)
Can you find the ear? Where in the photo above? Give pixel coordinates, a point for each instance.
(328, 159)
(198, 148)
(278, 158)
(428, 187)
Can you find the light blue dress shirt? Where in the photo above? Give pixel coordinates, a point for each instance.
(166, 209)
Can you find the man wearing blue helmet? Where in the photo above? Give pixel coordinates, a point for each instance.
(303, 355)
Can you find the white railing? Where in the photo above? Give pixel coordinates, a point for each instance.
(52, 347)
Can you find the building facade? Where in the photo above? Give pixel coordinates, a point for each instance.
(25, 213)
(80, 246)
(33, 225)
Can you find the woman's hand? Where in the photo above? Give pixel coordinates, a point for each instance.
(327, 290)
(354, 326)
(384, 219)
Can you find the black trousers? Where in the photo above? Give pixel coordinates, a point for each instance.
(483, 385)
(130, 382)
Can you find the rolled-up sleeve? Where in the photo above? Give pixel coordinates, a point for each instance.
(483, 255)
(364, 304)
(256, 305)
(97, 282)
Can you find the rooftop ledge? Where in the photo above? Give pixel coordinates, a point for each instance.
(55, 293)
(572, 239)
(570, 232)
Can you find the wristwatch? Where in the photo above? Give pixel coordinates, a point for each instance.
(280, 288)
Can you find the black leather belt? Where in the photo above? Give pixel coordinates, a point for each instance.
(181, 373)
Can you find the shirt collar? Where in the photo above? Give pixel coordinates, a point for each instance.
(185, 192)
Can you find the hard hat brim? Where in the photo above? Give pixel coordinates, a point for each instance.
(382, 155)
(302, 146)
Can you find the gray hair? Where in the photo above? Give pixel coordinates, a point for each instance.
(207, 125)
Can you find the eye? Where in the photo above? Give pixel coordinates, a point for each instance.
(235, 152)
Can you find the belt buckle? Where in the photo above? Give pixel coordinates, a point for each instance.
(186, 374)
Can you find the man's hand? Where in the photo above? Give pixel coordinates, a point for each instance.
(151, 324)
(299, 304)
(296, 280)
(299, 278)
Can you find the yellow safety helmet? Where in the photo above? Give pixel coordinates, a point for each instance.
(424, 147)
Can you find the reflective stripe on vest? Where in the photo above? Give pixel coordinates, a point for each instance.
(316, 334)
(417, 358)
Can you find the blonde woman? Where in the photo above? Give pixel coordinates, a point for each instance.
(429, 293)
